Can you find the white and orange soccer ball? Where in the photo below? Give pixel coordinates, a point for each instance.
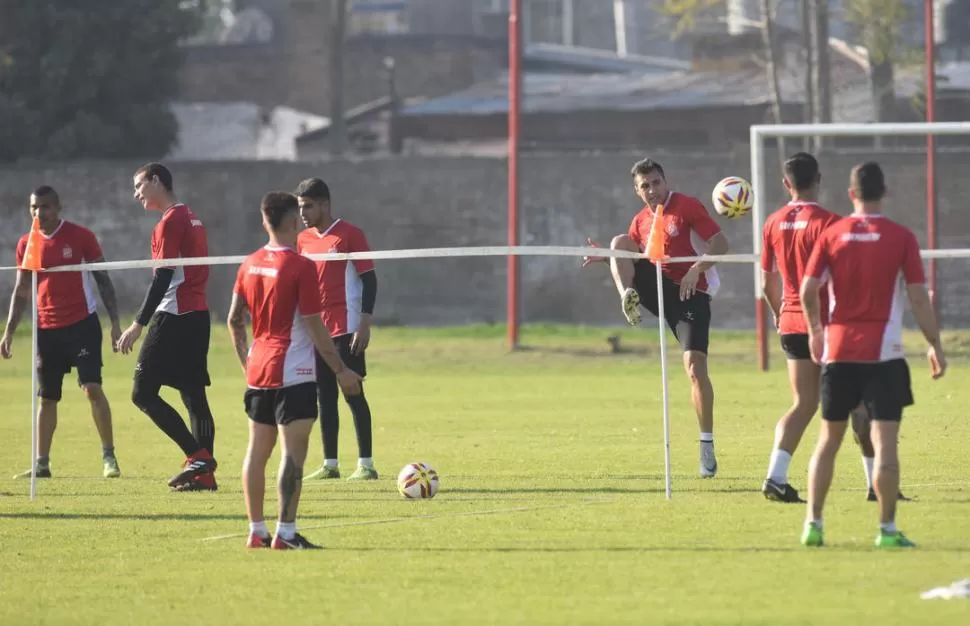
(417, 481)
(733, 197)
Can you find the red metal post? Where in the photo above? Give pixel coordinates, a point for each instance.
(515, 84)
(931, 236)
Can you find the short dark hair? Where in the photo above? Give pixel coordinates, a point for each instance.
(151, 170)
(47, 190)
(647, 166)
(801, 170)
(868, 182)
(276, 205)
(313, 188)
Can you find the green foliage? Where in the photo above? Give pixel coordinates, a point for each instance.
(686, 12)
(89, 78)
(877, 23)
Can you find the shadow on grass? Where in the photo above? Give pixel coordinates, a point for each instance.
(834, 548)
(157, 517)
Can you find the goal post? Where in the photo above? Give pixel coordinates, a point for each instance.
(759, 133)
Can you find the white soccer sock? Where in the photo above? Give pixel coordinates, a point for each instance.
(330, 462)
(286, 530)
(868, 463)
(258, 528)
(778, 466)
(889, 528)
(707, 437)
(365, 462)
(816, 522)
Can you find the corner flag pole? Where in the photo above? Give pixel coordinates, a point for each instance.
(656, 254)
(33, 386)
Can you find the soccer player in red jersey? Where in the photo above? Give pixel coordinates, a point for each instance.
(279, 288)
(867, 263)
(348, 290)
(176, 348)
(688, 288)
(69, 331)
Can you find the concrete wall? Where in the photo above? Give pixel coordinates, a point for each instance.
(430, 202)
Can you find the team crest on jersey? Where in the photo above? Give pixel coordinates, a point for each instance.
(672, 229)
(67, 252)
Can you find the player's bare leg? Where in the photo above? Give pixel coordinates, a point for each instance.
(885, 439)
(702, 396)
(820, 471)
(861, 432)
(622, 270)
(101, 412)
(46, 425)
(262, 440)
(295, 437)
(803, 375)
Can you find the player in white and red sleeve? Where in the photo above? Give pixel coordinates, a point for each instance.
(176, 348)
(69, 331)
(278, 287)
(688, 288)
(868, 262)
(348, 290)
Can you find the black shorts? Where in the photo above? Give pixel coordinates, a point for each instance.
(176, 351)
(355, 362)
(279, 407)
(884, 388)
(60, 349)
(795, 346)
(690, 320)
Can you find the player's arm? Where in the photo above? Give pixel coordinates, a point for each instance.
(772, 288)
(810, 303)
(348, 380)
(18, 303)
(236, 322)
(919, 301)
(704, 225)
(368, 299)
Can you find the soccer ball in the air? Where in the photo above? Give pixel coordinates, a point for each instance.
(417, 480)
(733, 197)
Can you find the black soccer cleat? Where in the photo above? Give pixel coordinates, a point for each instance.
(193, 467)
(871, 496)
(777, 492)
(298, 542)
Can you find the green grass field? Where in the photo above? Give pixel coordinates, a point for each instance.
(551, 507)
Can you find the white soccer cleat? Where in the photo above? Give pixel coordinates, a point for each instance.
(631, 307)
(708, 465)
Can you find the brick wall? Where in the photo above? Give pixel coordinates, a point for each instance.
(429, 202)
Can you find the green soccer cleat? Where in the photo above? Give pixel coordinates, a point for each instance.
(893, 540)
(812, 536)
(364, 473)
(111, 469)
(324, 473)
(42, 472)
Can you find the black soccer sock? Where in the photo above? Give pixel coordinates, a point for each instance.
(203, 426)
(328, 393)
(145, 396)
(362, 423)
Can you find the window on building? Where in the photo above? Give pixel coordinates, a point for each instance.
(377, 17)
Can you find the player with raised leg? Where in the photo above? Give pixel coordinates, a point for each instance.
(348, 290)
(861, 347)
(69, 331)
(688, 230)
(279, 289)
(176, 348)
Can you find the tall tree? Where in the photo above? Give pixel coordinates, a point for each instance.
(338, 126)
(877, 23)
(89, 78)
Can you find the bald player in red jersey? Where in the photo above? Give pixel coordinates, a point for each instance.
(69, 331)
(176, 348)
(348, 290)
(866, 262)
(688, 288)
(279, 288)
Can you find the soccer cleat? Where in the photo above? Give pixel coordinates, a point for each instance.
(111, 469)
(872, 497)
(298, 542)
(708, 464)
(259, 541)
(325, 472)
(364, 473)
(42, 472)
(812, 536)
(780, 492)
(192, 467)
(631, 307)
(893, 540)
(205, 482)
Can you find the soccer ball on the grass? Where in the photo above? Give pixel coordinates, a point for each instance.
(417, 480)
(733, 197)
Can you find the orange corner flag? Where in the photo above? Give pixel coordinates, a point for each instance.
(31, 260)
(655, 242)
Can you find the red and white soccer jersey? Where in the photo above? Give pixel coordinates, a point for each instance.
(180, 234)
(64, 298)
(867, 261)
(280, 289)
(687, 228)
(789, 237)
(340, 286)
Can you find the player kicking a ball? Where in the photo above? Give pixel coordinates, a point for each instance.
(868, 261)
(687, 287)
(176, 348)
(279, 288)
(69, 332)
